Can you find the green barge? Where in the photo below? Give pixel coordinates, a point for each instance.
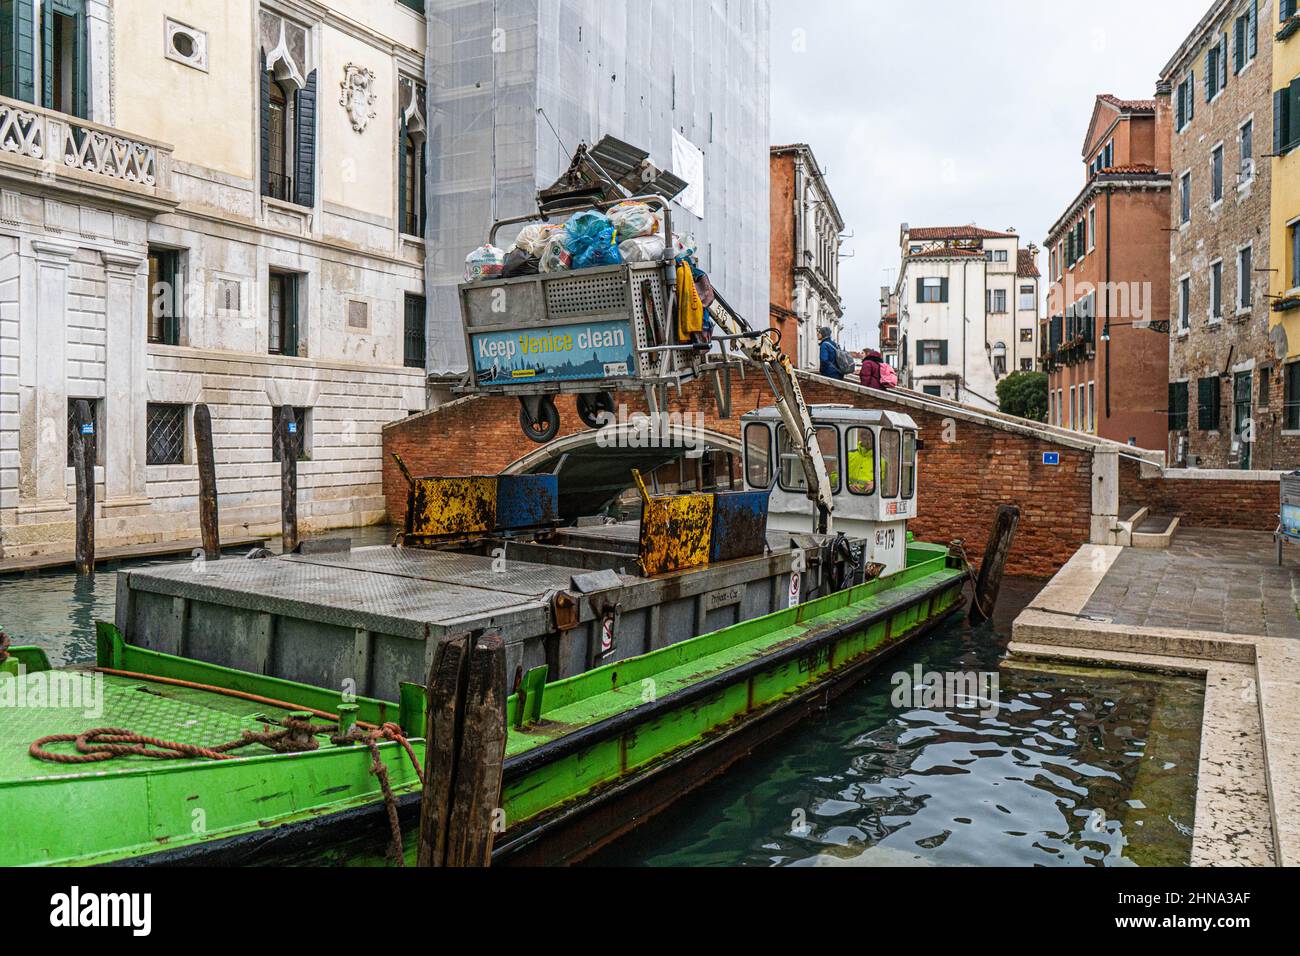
(587, 756)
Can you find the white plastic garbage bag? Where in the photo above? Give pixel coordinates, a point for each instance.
(485, 262)
(532, 238)
(555, 255)
(642, 249)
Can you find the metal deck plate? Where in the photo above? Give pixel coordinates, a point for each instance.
(325, 592)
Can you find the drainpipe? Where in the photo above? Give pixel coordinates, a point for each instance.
(965, 283)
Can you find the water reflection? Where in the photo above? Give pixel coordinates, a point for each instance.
(1074, 768)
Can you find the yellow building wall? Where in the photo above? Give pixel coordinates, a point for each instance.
(207, 117)
(357, 170)
(1285, 203)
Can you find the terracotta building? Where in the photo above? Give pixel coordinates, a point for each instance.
(1105, 342)
(1226, 390)
(805, 253)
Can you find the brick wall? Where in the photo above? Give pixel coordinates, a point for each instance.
(1203, 501)
(966, 469)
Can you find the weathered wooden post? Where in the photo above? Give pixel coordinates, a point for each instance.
(208, 515)
(83, 468)
(989, 581)
(446, 690)
(476, 799)
(464, 752)
(288, 439)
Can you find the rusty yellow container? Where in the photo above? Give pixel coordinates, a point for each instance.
(446, 507)
(676, 531)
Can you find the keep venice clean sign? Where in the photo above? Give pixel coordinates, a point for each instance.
(568, 353)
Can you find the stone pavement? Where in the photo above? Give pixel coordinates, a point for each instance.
(1223, 581)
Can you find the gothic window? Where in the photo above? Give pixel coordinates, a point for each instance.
(412, 154)
(288, 112)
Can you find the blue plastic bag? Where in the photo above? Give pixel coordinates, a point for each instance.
(601, 249)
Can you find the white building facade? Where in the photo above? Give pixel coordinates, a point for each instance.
(968, 307)
(213, 203)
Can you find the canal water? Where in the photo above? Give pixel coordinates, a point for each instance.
(1074, 767)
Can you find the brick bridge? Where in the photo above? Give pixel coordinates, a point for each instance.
(972, 462)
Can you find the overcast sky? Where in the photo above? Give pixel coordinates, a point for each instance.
(942, 112)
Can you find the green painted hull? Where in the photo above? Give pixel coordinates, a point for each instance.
(577, 741)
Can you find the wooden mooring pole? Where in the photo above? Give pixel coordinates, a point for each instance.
(83, 468)
(465, 752)
(289, 440)
(989, 581)
(208, 516)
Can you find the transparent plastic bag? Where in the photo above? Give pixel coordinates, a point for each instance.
(633, 220)
(532, 239)
(485, 262)
(683, 246)
(584, 225)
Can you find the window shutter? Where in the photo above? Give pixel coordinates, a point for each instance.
(920, 351)
(423, 190)
(401, 176)
(17, 50)
(943, 352)
(1191, 95)
(1292, 116)
(1252, 30)
(265, 126)
(1281, 102)
(290, 345)
(1223, 61)
(1238, 44)
(1173, 407)
(304, 187)
(920, 295)
(47, 56)
(943, 290)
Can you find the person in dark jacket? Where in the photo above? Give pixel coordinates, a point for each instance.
(827, 356)
(869, 374)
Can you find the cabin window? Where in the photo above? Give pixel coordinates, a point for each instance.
(908, 471)
(758, 456)
(792, 477)
(861, 448)
(890, 446)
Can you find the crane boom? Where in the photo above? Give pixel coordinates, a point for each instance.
(762, 347)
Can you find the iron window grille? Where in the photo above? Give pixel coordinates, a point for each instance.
(298, 438)
(165, 434)
(95, 441)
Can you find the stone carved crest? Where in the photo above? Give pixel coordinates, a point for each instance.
(358, 95)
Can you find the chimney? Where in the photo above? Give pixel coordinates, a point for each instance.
(1164, 132)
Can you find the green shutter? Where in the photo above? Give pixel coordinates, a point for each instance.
(401, 176)
(1281, 113)
(943, 352)
(265, 127)
(1293, 115)
(920, 352)
(943, 290)
(920, 297)
(1252, 29)
(17, 50)
(304, 187)
(290, 344)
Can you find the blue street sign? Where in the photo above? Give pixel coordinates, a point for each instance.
(1051, 458)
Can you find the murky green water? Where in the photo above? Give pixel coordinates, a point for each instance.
(1077, 767)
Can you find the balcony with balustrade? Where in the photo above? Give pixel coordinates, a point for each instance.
(48, 152)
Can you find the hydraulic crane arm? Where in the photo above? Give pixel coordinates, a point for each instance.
(762, 347)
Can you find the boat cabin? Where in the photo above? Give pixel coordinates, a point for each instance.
(871, 460)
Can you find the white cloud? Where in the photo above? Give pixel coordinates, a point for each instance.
(937, 112)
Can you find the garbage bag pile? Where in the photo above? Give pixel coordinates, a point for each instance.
(628, 232)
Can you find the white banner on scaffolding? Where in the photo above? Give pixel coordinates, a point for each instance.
(688, 163)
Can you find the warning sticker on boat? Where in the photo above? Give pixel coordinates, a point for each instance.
(794, 588)
(615, 369)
